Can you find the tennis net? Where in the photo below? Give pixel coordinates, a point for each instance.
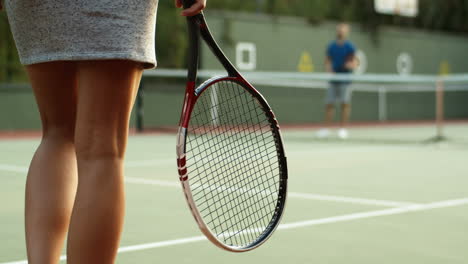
(384, 107)
(422, 101)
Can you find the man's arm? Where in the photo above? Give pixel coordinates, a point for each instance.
(352, 62)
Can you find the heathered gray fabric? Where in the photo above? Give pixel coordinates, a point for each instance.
(51, 30)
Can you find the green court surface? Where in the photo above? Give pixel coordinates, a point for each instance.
(383, 196)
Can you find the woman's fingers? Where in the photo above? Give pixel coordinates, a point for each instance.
(195, 9)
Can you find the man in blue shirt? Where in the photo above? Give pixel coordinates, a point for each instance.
(340, 59)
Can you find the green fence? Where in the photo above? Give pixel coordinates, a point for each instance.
(294, 101)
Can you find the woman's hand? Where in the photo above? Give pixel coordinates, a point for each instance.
(195, 9)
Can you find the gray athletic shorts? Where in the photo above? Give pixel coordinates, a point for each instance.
(338, 92)
(51, 30)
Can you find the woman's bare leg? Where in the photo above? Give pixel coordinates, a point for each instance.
(52, 176)
(106, 94)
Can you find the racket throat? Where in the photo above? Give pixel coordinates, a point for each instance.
(181, 157)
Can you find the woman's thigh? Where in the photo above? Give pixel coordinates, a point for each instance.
(106, 92)
(55, 86)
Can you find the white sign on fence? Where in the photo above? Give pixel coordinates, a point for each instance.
(408, 8)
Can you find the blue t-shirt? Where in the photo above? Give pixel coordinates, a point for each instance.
(339, 55)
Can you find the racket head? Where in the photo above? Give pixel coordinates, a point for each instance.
(232, 164)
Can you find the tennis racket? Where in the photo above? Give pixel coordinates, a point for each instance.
(231, 159)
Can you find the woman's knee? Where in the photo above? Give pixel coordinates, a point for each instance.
(59, 132)
(99, 146)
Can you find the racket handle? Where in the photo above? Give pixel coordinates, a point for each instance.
(187, 3)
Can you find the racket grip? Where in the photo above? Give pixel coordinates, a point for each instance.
(187, 3)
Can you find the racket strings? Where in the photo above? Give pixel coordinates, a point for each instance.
(204, 130)
(253, 212)
(256, 205)
(223, 199)
(204, 158)
(261, 158)
(220, 136)
(233, 164)
(254, 192)
(216, 183)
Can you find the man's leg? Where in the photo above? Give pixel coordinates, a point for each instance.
(329, 114)
(345, 98)
(345, 113)
(329, 111)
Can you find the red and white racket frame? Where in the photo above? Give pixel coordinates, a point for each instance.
(197, 27)
(191, 96)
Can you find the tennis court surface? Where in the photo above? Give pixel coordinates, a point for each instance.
(383, 196)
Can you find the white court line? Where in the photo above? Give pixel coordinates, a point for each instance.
(129, 164)
(318, 197)
(149, 163)
(164, 161)
(300, 224)
(385, 212)
(354, 149)
(300, 153)
(13, 168)
(152, 182)
(332, 198)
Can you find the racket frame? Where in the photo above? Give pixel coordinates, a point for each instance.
(197, 28)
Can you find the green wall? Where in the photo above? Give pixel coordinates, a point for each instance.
(163, 103)
(281, 41)
(163, 100)
(18, 109)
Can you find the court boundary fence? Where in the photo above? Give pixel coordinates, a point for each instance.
(382, 83)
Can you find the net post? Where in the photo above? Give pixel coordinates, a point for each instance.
(139, 108)
(440, 109)
(382, 104)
